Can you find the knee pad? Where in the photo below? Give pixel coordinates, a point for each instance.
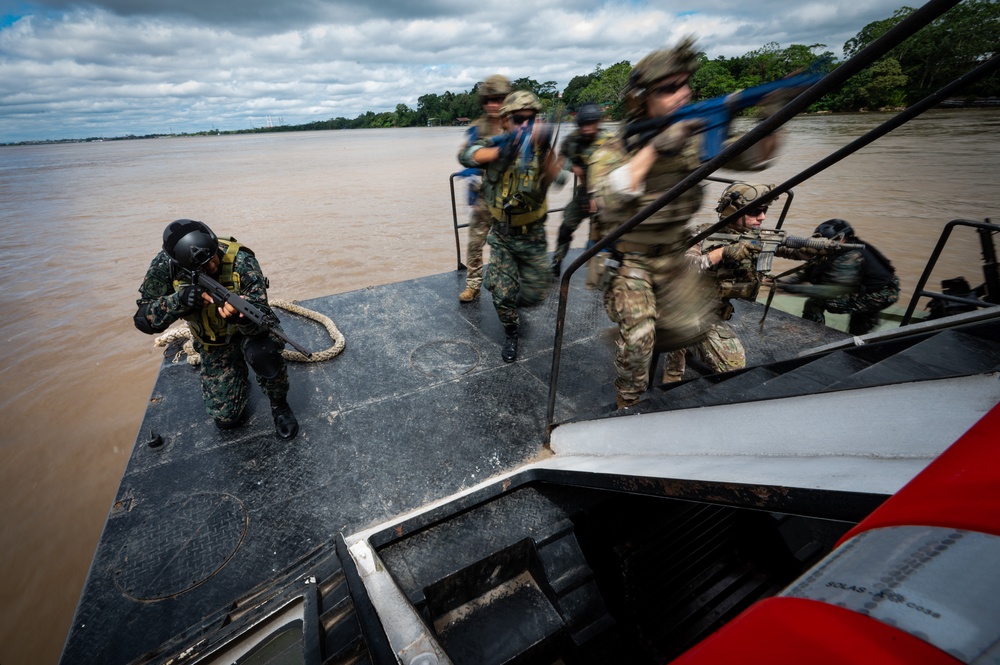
(263, 356)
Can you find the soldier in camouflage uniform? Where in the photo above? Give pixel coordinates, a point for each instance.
(657, 298)
(491, 93)
(575, 152)
(859, 282)
(519, 167)
(226, 340)
(732, 264)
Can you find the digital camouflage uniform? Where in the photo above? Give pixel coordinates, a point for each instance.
(577, 149)
(859, 282)
(479, 219)
(225, 388)
(515, 195)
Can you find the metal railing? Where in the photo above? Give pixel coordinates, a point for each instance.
(986, 230)
(831, 82)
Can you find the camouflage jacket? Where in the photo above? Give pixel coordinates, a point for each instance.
(666, 226)
(576, 151)
(160, 288)
(735, 278)
(516, 187)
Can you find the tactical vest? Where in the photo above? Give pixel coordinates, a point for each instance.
(205, 322)
(517, 190)
(733, 279)
(666, 226)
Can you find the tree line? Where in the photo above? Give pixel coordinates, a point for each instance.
(952, 45)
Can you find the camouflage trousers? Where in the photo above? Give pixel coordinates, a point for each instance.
(479, 228)
(864, 308)
(224, 379)
(721, 350)
(659, 303)
(518, 273)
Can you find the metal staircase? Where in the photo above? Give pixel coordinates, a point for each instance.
(936, 350)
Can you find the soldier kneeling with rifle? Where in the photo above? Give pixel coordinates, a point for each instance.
(736, 259)
(230, 320)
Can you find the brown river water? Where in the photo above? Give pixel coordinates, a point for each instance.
(325, 212)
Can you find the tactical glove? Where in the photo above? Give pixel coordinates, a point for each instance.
(738, 251)
(190, 297)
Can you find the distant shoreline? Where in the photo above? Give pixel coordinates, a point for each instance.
(948, 104)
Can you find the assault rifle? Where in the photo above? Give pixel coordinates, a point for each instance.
(765, 242)
(221, 295)
(716, 113)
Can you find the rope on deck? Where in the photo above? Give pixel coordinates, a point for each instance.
(193, 357)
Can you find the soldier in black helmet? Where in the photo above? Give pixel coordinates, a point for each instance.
(226, 341)
(576, 150)
(859, 282)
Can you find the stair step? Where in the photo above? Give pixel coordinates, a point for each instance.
(946, 354)
(813, 376)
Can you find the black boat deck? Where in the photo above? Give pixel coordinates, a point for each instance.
(418, 406)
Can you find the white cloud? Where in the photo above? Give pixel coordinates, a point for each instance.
(124, 67)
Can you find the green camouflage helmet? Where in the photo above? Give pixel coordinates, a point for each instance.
(494, 86)
(520, 100)
(656, 66)
(738, 195)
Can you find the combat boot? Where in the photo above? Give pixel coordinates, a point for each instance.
(626, 403)
(285, 424)
(509, 351)
(469, 294)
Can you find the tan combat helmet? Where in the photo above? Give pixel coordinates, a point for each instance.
(739, 194)
(520, 100)
(656, 66)
(493, 86)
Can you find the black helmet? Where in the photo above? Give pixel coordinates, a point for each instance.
(588, 114)
(832, 228)
(191, 244)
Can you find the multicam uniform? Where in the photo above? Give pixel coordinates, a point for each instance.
(577, 150)
(721, 349)
(224, 384)
(479, 220)
(515, 196)
(859, 282)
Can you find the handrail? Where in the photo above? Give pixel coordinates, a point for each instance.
(987, 229)
(832, 81)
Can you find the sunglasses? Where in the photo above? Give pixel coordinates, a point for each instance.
(757, 212)
(669, 88)
(493, 99)
(520, 119)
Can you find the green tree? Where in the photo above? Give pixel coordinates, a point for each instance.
(576, 85)
(605, 90)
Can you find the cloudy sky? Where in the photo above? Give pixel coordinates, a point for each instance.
(119, 67)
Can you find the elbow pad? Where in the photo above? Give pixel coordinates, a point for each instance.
(142, 323)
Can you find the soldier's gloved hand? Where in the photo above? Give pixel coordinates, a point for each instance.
(738, 251)
(672, 139)
(190, 297)
(507, 143)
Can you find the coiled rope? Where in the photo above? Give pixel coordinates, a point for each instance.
(193, 357)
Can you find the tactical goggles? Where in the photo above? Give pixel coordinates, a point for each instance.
(520, 119)
(757, 212)
(669, 88)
